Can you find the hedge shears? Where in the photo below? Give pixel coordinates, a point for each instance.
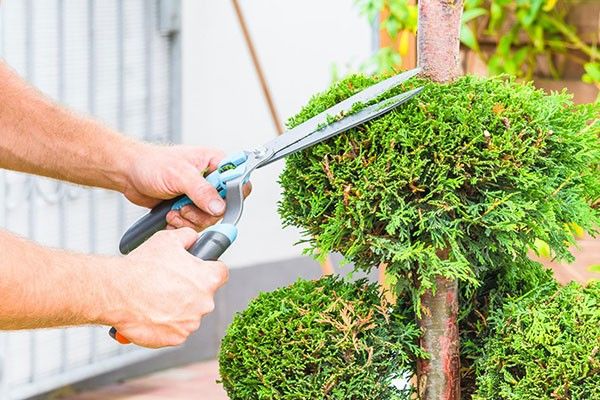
(231, 174)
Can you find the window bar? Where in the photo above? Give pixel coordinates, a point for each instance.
(149, 100)
(2, 32)
(30, 182)
(3, 222)
(174, 65)
(62, 214)
(121, 108)
(92, 110)
(4, 338)
(3, 184)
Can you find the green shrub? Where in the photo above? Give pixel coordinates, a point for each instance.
(509, 281)
(325, 339)
(457, 182)
(544, 345)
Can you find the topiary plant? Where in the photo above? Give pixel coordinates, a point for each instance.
(543, 345)
(325, 339)
(459, 183)
(456, 183)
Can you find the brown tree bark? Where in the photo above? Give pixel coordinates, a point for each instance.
(438, 38)
(438, 378)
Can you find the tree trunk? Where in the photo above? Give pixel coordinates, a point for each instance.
(438, 38)
(438, 378)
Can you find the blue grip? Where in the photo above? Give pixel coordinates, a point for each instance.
(230, 168)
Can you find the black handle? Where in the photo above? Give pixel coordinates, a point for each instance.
(147, 226)
(210, 246)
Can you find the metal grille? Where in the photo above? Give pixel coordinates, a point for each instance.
(117, 60)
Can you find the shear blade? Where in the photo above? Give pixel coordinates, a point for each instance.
(311, 126)
(344, 124)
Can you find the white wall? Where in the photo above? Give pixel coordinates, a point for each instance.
(298, 42)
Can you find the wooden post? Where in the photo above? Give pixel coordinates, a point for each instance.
(327, 267)
(438, 378)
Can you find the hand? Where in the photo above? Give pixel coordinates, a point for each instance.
(165, 290)
(162, 172)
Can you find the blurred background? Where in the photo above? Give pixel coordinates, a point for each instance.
(227, 74)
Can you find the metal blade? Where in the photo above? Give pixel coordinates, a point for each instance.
(344, 124)
(308, 127)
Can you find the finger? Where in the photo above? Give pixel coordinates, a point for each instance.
(197, 217)
(247, 189)
(219, 274)
(184, 236)
(203, 194)
(205, 158)
(215, 157)
(175, 219)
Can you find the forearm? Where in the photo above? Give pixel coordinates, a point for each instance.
(43, 287)
(38, 136)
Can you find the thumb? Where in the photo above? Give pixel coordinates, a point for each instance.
(203, 194)
(185, 236)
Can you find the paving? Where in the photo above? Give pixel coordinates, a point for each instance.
(196, 381)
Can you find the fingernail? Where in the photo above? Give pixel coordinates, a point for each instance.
(216, 207)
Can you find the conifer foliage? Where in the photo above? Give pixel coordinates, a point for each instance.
(325, 339)
(477, 169)
(459, 182)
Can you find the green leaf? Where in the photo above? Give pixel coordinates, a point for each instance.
(530, 16)
(542, 248)
(496, 17)
(537, 37)
(505, 44)
(468, 38)
(593, 70)
(521, 55)
(470, 15)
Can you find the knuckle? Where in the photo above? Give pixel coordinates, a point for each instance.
(163, 235)
(187, 230)
(194, 326)
(208, 306)
(223, 272)
(205, 190)
(219, 274)
(173, 218)
(173, 174)
(193, 214)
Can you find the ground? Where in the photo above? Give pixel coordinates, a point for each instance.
(192, 381)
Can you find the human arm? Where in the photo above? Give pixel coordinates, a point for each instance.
(41, 137)
(155, 296)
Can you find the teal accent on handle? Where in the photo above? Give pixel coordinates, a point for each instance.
(234, 160)
(229, 230)
(230, 168)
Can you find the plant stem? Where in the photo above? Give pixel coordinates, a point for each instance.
(438, 39)
(438, 378)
